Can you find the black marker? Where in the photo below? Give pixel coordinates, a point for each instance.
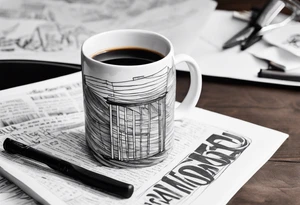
(103, 183)
(280, 75)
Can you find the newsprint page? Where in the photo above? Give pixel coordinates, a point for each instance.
(212, 158)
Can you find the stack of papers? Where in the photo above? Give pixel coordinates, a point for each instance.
(55, 30)
(244, 65)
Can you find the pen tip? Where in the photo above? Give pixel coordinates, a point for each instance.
(6, 145)
(129, 192)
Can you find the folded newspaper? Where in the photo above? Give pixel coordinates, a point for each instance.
(213, 155)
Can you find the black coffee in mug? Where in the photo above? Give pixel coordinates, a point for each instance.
(127, 56)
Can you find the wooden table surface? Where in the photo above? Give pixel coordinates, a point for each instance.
(276, 107)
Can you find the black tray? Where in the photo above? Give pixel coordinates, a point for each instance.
(20, 72)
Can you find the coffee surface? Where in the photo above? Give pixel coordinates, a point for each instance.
(128, 56)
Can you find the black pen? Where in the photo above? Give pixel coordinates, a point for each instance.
(280, 75)
(103, 183)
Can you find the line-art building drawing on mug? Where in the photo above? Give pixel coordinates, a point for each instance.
(128, 120)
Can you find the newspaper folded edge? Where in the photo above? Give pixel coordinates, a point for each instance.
(29, 185)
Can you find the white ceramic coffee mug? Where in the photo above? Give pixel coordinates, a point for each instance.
(129, 109)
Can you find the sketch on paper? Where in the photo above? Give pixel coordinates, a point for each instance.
(47, 37)
(54, 30)
(198, 170)
(130, 120)
(61, 26)
(80, 11)
(294, 41)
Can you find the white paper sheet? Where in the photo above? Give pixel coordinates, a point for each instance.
(287, 38)
(63, 136)
(278, 56)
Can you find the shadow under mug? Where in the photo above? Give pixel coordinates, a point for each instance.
(130, 110)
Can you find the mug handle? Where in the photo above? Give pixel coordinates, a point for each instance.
(192, 97)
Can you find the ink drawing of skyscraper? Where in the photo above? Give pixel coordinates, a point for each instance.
(129, 120)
